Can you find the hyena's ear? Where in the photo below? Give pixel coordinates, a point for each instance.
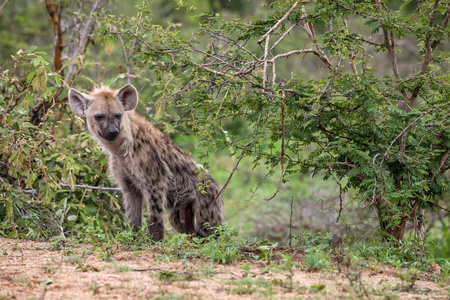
(128, 96)
(78, 102)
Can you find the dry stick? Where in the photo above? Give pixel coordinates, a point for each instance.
(101, 188)
(266, 53)
(80, 42)
(290, 223)
(80, 186)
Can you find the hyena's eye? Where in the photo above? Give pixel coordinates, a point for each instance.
(118, 116)
(98, 117)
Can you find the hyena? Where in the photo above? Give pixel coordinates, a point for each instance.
(148, 167)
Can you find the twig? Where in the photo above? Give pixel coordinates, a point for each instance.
(271, 30)
(283, 134)
(142, 41)
(240, 158)
(126, 59)
(290, 223)
(318, 53)
(3, 5)
(266, 53)
(236, 165)
(80, 42)
(80, 186)
(312, 36)
(282, 36)
(341, 201)
(401, 134)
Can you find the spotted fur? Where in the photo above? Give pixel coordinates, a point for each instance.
(148, 167)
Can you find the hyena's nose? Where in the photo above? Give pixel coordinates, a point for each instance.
(113, 132)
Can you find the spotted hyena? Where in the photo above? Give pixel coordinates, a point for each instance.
(148, 167)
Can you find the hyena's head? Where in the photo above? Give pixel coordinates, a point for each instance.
(104, 109)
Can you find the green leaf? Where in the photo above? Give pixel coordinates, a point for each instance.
(30, 75)
(47, 282)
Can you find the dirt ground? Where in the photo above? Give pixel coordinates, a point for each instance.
(29, 270)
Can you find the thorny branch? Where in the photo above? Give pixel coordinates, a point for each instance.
(283, 137)
(241, 156)
(280, 21)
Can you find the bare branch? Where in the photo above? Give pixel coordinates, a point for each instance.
(282, 36)
(240, 158)
(126, 60)
(280, 21)
(352, 55)
(266, 53)
(3, 5)
(282, 155)
(312, 36)
(79, 186)
(443, 159)
(319, 54)
(81, 41)
(142, 41)
(90, 187)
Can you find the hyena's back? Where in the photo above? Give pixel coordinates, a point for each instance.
(149, 167)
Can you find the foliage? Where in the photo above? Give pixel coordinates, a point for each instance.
(383, 134)
(241, 85)
(406, 253)
(40, 164)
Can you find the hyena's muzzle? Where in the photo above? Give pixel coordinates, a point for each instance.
(108, 127)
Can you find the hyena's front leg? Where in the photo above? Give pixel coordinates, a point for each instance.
(155, 202)
(133, 206)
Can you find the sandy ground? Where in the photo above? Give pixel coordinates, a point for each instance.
(29, 270)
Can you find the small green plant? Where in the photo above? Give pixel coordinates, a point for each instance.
(60, 243)
(22, 280)
(129, 239)
(95, 287)
(52, 267)
(288, 265)
(409, 277)
(317, 288)
(74, 259)
(87, 268)
(316, 259)
(170, 276)
(121, 268)
(267, 252)
(405, 253)
(249, 285)
(308, 239)
(105, 253)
